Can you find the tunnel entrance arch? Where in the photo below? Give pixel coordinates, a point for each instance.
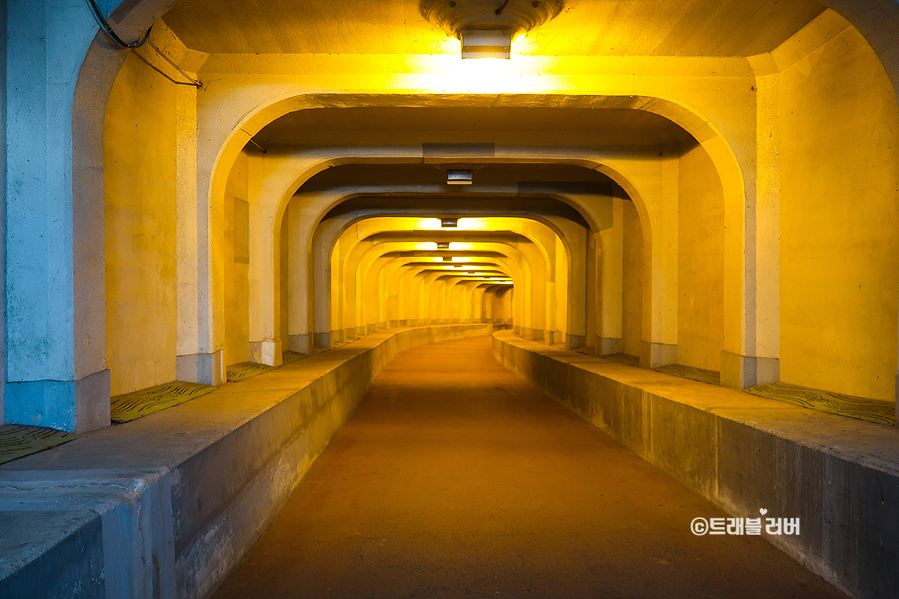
(99, 69)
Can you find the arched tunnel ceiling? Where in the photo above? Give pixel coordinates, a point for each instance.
(495, 124)
(510, 188)
(487, 175)
(454, 206)
(450, 235)
(585, 27)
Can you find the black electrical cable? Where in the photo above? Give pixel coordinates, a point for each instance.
(193, 81)
(163, 73)
(107, 29)
(500, 9)
(104, 25)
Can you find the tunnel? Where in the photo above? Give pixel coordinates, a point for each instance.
(430, 298)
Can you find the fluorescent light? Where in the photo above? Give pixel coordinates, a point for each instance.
(458, 177)
(487, 43)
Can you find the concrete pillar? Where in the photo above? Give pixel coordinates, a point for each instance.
(55, 293)
(193, 365)
(751, 353)
(575, 304)
(612, 284)
(392, 291)
(3, 42)
(660, 280)
(299, 338)
(398, 287)
(321, 292)
(265, 270)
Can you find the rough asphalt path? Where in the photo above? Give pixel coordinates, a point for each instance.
(456, 478)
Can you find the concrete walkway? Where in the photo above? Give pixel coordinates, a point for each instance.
(455, 478)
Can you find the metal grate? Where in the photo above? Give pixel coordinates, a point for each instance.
(131, 406)
(872, 410)
(689, 372)
(245, 370)
(18, 441)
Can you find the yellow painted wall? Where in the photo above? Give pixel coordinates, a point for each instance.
(610, 264)
(508, 298)
(139, 141)
(563, 272)
(700, 319)
(237, 264)
(839, 257)
(632, 291)
(285, 284)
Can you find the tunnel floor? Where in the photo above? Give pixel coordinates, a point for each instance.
(456, 478)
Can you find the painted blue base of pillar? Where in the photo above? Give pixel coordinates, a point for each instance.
(71, 406)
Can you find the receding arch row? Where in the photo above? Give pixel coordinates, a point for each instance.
(380, 249)
(309, 209)
(305, 165)
(86, 358)
(573, 245)
(313, 206)
(399, 293)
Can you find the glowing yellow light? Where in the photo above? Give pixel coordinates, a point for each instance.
(427, 245)
(458, 245)
(447, 73)
(474, 224)
(461, 259)
(426, 224)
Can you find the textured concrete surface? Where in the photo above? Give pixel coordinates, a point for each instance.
(456, 478)
(163, 506)
(743, 452)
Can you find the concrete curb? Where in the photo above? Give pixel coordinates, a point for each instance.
(839, 476)
(164, 506)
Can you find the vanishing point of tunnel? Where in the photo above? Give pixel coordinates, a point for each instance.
(572, 298)
(455, 478)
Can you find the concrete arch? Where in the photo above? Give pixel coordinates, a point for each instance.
(700, 128)
(371, 314)
(568, 232)
(367, 253)
(504, 223)
(518, 264)
(747, 337)
(398, 271)
(71, 362)
(321, 203)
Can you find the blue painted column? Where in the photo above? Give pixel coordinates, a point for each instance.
(3, 102)
(52, 378)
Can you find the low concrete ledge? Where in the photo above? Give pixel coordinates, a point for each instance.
(164, 506)
(839, 476)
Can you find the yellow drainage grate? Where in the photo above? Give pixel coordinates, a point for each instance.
(245, 370)
(292, 356)
(872, 410)
(131, 406)
(18, 441)
(623, 359)
(689, 372)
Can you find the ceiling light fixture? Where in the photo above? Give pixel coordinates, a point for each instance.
(443, 245)
(458, 177)
(486, 28)
(487, 43)
(449, 223)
